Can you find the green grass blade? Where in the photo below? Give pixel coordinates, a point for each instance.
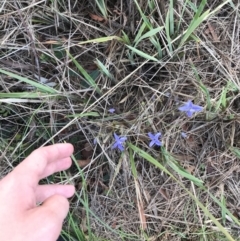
(197, 20)
(149, 158)
(85, 202)
(132, 163)
(102, 68)
(223, 207)
(148, 34)
(167, 28)
(181, 16)
(93, 114)
(101, 40)
(171, 18)
(157, 45)
(151, 5)
(235, 151)
(146, 24)
(194, 25)
(102, 7)
(87, 77)
(28, 95)
(142, 54)
(178, 169)
(171, 162)
(199, 10)
(202, 86)
(40, 87)
(125, 38)
(146, 21)
(223, 201)
(222, 102)
(140, 33)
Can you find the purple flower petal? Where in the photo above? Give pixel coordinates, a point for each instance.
(151, 136)
(124, 138)
(197, 108)
(183, 134)
(190, 108)
(115, 145)
(111, 110)
(119, 141)
(151, 143)
(116, 137)
(183, 108)
(158, 143)
(154, 139)
(189, 113)
(120, 147)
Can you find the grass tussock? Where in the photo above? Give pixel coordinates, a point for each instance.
(65, 64)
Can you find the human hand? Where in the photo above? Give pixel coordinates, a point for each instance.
(20, 217)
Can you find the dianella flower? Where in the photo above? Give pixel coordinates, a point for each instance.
(155, 139)
(111, 110)
(184, 135)
(189, 108)
(119, 142)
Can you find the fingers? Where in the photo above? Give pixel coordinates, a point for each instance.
(56, 207)
(43, 192)
(56, 166)
(48, 218)
(43, 162)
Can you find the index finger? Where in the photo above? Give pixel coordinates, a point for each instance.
(32, 168)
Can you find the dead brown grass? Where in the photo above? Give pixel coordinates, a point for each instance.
(34, 37)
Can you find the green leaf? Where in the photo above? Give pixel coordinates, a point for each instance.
(223, 99)
(133, 166)
(205, 210)
(146, 21)
(94, 114)
(101, 40)
(202, 86)
(197, 20)
(102, 67)
(142, 54)
(27, 95)
(149, 158)
(178, 169)
(102, 7)
(167, 28)
(140, 32)
(171, 18)
(85, 74)
(235, 151)
(195, 23)
(125, 38)
(148, 34)
(40, 87)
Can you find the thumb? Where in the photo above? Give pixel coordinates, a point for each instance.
(50, 216)
(56, 207)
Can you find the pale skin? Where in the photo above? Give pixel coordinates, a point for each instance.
(21, 219)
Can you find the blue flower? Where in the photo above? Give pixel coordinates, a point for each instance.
(112, 110)
(154, 139)
(184, 135)
(119, 141)
(190, 108)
